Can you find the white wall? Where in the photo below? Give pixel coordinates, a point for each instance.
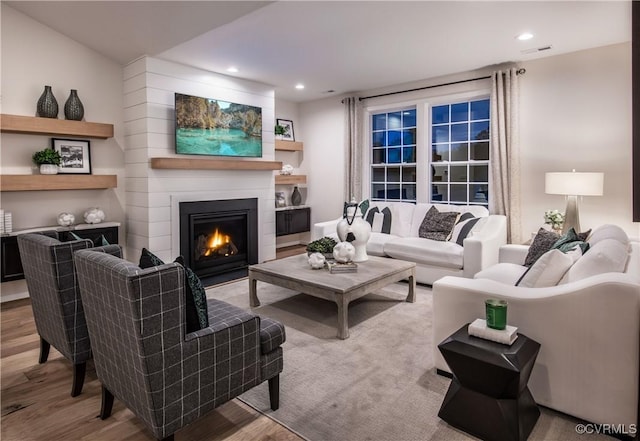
(153, 194)
(575, 112)
(33, 56)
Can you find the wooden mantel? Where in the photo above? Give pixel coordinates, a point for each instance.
(213, 164)
(53, 126)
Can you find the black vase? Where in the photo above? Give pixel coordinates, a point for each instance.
(296, 197)
(47, 105)
(73, 108)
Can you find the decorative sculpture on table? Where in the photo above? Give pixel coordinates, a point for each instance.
(94, 215)
(66, 219)
(316, 260)
(355, 230)
(344, 252)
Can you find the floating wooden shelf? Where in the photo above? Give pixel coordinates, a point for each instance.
(57, 182)
(290, 146)
(291, 179)
(53, 126)
(214, 164)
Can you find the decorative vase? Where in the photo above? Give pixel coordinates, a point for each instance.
(48, 169)
(355, 230)
(47, 105)
(73, 108)
(296, 197)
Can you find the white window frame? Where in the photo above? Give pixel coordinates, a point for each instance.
(423, 136)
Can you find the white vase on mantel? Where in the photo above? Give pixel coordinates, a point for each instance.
(48, 169)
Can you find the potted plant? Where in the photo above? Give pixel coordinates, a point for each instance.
(324, 245)
(48, 160)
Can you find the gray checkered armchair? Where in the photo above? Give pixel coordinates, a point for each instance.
(145, 358)
(55, 298)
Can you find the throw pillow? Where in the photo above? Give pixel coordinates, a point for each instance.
(364, 206)
(386, 222)
(192, 312)
(606, 256)
(378, 220)
(437, 225)
(198, 296)
(570, 241)
(463, 228)
(548, 270)
(542, 243)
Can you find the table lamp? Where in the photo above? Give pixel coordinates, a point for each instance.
(573, 184)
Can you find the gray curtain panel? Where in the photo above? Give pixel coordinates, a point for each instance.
(505, 151)
(353, 148)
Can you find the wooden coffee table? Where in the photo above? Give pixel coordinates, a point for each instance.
(295, 273)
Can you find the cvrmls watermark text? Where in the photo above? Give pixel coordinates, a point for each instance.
(607, 429)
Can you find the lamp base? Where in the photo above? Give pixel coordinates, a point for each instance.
(571, 216)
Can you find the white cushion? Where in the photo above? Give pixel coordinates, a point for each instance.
(376, 227)
(507, 273)
(608, 231)
(425, 251)
(547, 270)
(606, 256)
(401, 214)
(375, 245)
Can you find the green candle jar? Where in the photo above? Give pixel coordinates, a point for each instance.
(496, 312)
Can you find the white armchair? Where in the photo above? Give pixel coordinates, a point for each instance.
(589, 331)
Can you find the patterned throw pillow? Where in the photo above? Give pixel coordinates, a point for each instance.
(542, 243)
(193, 307)
(438, 225)
(463, 228)
(198, 295)
(386, 221)
(570, 241)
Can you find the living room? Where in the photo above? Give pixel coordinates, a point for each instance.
(575, 113)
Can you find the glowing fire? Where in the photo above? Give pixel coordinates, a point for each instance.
(216, 241)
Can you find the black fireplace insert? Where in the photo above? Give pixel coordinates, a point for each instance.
(219, 239)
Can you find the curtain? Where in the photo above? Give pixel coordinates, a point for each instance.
(505, 152)
(353, 148)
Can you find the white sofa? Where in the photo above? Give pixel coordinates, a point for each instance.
(434, 259)
(589, 329)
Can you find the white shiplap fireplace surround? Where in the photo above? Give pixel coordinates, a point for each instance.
(154, 195)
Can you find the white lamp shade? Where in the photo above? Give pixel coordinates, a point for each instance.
(574, 184)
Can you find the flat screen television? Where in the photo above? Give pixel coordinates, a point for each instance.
(206, 126)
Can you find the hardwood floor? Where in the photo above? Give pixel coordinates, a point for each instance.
(36, 402)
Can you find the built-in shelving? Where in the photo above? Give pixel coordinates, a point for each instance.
(213, 164)
(289, 146)
(291, 179)
(57, 182)
(52, 126)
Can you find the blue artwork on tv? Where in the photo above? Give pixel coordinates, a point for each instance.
(206, 126)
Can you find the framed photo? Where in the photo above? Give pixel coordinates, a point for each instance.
(281, 200)
(76, 157)
(288, 129)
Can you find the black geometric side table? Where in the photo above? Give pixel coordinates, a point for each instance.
(488, 396)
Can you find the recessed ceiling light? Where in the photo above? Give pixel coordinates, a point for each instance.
(232, 69)
(525, 36)
(299, 86)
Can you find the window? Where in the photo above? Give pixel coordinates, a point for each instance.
(460, 153)
(393, 156)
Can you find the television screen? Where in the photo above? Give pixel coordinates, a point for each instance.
(206, 126)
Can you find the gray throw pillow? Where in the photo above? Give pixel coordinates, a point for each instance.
(437, 225)
(542, 243)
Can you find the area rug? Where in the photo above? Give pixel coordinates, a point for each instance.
(379, 384)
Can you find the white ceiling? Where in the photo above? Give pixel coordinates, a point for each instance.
(344, 46)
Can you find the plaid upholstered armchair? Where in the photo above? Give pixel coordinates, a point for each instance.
(145, 357)
(55, 299)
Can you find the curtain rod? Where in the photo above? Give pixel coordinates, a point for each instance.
(518, 72)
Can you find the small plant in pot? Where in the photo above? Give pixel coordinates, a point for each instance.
(48, 160)
(280, 131)
(324, 246)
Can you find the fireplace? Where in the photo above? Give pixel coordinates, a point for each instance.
(219, 239)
